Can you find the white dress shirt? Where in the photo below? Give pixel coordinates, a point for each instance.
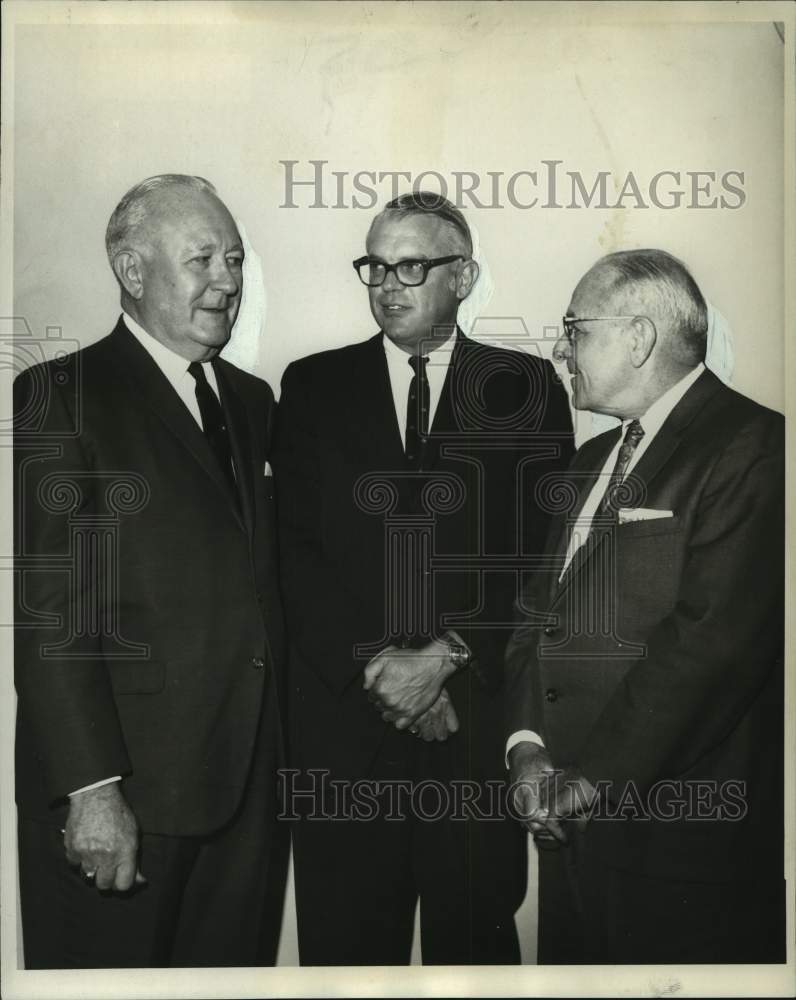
(401, 374)
(175, 368)
(651, 422)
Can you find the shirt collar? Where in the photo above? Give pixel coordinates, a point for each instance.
(171, 364)
(396, 356)
(656, 414)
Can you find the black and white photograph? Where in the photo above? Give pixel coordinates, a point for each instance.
(396, 594)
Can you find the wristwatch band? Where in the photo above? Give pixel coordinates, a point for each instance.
(460, 655)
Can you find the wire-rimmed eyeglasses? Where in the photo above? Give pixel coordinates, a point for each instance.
(570, 323)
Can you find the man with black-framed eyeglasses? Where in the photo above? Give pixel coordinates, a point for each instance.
(400, 465)
(644, 681)
(410, 272)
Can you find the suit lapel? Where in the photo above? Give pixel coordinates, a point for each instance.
(373, 407)
(586, 471)
(150, 385)
(649, 466)
(444, 427)
(239, 440)
(668, 437)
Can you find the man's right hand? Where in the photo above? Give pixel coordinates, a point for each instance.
(101, 838)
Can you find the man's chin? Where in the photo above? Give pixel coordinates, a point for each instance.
(578, 397)
(214, 329)
(400, 335)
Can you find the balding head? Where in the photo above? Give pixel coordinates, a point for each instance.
(637, 325)
(653, 283)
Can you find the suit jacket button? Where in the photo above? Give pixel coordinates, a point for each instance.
(551, 695)
(258, 662)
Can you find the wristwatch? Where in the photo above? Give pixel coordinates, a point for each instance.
(460, 655)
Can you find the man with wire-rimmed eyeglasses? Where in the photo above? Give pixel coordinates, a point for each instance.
(406, 468)
(644, 682)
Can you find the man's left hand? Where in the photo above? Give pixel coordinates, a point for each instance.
(403, 683)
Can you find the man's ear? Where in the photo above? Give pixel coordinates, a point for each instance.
(643, 337)
(128, 268)
(466, 278)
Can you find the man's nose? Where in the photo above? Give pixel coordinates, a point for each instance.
(226, 279)
(562, 349)
(391, 282)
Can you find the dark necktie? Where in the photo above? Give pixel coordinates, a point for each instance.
(633, 434)
(213, 422)
(417, 412)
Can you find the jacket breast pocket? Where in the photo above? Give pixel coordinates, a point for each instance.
(146, 677)
(651, 526)
(649, 561)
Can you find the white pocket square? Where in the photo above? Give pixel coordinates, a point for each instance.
(628, 514)
(268, 471)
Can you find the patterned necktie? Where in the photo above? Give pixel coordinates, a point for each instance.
(633, 434)
(417, 412)
(213, 423)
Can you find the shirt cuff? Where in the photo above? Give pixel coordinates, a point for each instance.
(522, 736)
(97, 784)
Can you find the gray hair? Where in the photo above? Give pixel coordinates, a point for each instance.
(131, 216)
(666, 282)
(429, 203)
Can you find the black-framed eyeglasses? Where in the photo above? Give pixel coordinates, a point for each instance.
(412, 271)
(570, 323)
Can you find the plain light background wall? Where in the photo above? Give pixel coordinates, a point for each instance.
(411, 87)
(401, 87)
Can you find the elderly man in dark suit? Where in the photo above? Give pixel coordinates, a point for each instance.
(149, 628)
(644, 683)
(406, 468)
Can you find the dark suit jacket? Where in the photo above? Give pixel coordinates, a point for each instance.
(149, 625)
(342, 482)
(659, 656)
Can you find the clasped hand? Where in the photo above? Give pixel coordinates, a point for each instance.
(437, 722)
(404, 683)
